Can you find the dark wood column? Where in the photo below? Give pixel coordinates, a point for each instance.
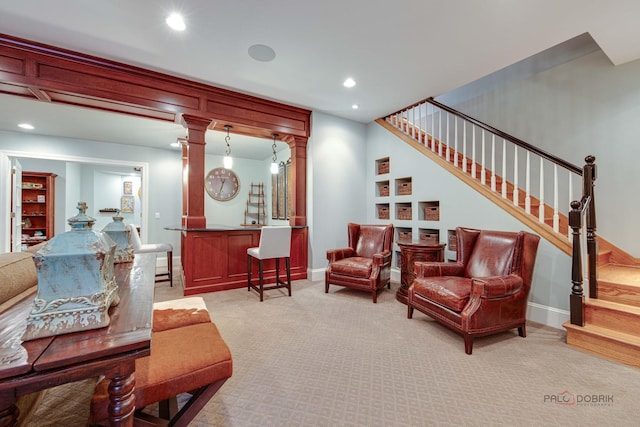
(193, 171)
(298, 147)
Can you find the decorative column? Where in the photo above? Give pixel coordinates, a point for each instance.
(193, 171)
(298, 147)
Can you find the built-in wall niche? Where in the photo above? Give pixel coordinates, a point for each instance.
(404, 233)
(429, 235)
(382, 166)
(382, 211)
(429, 211)
(382, 188)
(404, 211)
(403, 186)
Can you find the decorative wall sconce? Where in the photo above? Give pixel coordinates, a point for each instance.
(227, 161)
(274, 163)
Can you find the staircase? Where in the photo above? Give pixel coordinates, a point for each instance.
(609, 323)
(612, 320)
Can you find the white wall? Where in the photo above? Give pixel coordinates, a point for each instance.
(336, 177)
(586, 106)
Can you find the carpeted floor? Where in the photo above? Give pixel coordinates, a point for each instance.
(337, 359)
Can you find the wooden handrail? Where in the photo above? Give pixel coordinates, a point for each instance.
(560, 162)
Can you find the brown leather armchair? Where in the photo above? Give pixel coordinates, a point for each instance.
(485, 291)
(366, 263)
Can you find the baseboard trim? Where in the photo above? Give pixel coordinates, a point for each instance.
(546, 315)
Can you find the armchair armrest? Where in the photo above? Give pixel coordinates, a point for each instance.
(497, 286)
(334, 255)
(430, 269)
(382, 258)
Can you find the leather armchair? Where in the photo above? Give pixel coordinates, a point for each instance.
(366, 263)
(485, 291)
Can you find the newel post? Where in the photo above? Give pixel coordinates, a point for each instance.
(576, 299)
(588, 179)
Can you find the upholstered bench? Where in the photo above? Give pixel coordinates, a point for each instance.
(188, 355)
(19, 280)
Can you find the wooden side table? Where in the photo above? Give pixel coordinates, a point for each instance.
(411, 251)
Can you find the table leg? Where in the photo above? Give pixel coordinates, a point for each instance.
(122, 401)
(8, 410)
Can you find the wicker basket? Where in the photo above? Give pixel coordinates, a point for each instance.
(429, 238)
(405, 235)
(404, 188)
(383, 212)
(384, 190)
(432, 213)
(453, 242)
(383, 167)
(404, 213)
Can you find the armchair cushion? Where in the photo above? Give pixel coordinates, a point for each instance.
(355, 266)
(449, 291)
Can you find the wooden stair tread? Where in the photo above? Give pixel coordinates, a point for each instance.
(605, 333)
(622, 274)
(610, 305)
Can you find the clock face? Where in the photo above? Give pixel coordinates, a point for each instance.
(222, 184)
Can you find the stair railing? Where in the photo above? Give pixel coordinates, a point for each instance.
(495, 158)
(454, 136)
(584, 207)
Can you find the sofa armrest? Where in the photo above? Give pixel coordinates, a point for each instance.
(334, 255)
(430, 269)
(497, 286)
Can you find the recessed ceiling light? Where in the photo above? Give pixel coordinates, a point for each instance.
(355, 106)
(262, 53)
(26, 126)
(175, 144)
(176, 22)
(349, 82)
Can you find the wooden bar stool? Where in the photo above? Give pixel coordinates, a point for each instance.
(275, 243)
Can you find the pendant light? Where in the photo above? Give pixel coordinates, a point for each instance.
(274, 163)
(227, 161)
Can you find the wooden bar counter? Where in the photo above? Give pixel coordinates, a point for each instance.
(214, 258)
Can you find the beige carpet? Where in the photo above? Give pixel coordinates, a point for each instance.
(337, 359)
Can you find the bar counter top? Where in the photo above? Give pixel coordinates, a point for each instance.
(219, 227)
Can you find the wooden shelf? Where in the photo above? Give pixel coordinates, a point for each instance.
(37, 214)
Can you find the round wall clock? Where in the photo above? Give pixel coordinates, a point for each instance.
(222, 184)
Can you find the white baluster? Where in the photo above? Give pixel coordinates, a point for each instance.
(473, 151)
(493, 162)
(423, 127)
(447, 141)
(440, 134)
(483, 177)
(504, 168)
(455, 142)
(464, 146)
(541, 213)
(527, 185)
(433, 127)
(413, 122)
(556, 216)
(515, 175)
